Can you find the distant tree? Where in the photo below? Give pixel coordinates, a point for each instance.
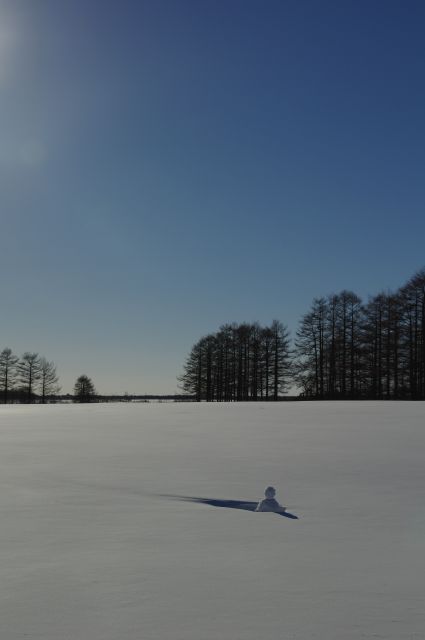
(413, 320)
(191, 379)
(281, 358)
(84, 389)
(384, 356)
(28, 369)
(353, 340)
(8, 372)
(310, 369)
(343, 340)
(265, 373)
(48, 379)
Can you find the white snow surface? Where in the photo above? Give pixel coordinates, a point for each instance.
(92, 546)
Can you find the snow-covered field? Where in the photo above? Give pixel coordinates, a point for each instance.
(92, 546)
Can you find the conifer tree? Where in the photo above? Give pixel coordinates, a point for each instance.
(84, 390)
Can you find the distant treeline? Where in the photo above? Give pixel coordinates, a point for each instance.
(27, 378)
(344, 349)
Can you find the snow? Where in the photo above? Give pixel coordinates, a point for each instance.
(94, 547)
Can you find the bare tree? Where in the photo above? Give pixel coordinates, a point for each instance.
(310, 370)
(48, 379)
(8, 372)
(281, 358)
(29, 373)
(413, 320)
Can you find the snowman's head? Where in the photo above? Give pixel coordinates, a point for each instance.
(270, 492)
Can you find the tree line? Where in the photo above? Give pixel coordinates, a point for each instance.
(33, 378)
(239, 362)
(25, 378)
(343, 349)
(347, 349)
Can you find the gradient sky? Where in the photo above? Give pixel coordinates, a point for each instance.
(169, 166)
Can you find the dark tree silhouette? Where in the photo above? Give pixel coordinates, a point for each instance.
(347, 350)
(240, 362)
(84, 390)
(412, 297)
(8, 372)
(29, 373)
(309, 368)
(48, 379)
(381, 349)
(328, 348)
(281, 363)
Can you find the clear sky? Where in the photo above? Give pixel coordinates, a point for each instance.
(167, 166)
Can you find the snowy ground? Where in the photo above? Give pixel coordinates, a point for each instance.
(91, 549)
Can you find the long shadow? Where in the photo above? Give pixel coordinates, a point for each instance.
(229, 504)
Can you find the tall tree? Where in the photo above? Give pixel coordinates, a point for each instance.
(354, 340)
(413, 320)
(266, 362)
(281, 358)
(8, 372)
(382, 349)
(191, 379)
(310, 370)
(29, 373)
(48, 379)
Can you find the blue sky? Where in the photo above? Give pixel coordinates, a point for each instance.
(169, 166)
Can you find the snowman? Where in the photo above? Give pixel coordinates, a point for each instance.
(269, 503)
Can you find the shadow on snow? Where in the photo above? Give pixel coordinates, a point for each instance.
(228, 504)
